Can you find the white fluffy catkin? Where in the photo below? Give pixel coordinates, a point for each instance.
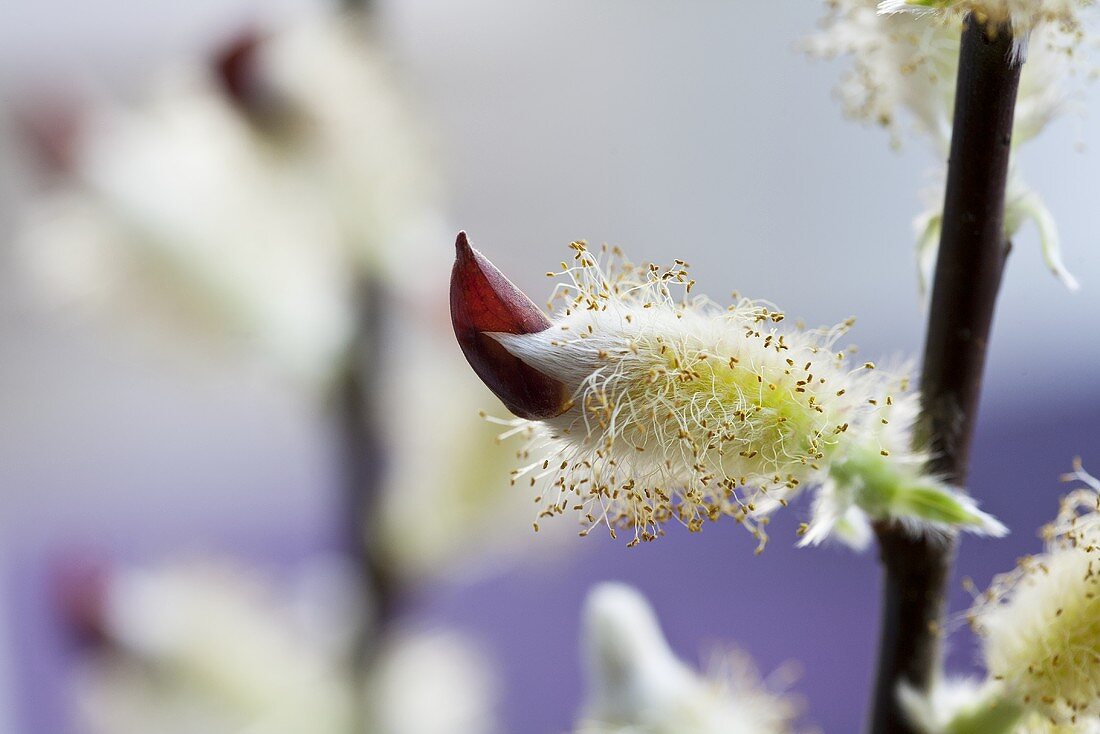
(685, 411)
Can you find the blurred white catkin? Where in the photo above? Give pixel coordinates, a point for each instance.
(904, 65)
(637, 685)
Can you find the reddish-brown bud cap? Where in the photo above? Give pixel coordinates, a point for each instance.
(51, 125)
(236, 67)
(80, 584)
(239, 69)
(483, 300)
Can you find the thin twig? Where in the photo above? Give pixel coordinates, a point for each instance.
(968, 276)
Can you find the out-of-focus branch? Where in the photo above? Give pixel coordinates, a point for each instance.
(357, 396)
(362, 6)
(968, 276)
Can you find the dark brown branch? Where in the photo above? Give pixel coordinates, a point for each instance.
(357, 395)
(364, 447)
(968, 276)
(359, 5)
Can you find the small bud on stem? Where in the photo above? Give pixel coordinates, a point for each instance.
(484, 302)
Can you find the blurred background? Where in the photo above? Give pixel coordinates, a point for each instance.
(237, 439)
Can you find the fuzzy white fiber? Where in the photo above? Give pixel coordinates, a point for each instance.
(686, 411)
(903, 72)
(1040, 624)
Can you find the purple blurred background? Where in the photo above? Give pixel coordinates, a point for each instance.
(816, 608)
(676, 131)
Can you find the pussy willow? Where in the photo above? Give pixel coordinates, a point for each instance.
(643, 404)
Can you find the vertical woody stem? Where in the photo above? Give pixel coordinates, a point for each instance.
(971, 260)
(364, 475)
(358, 394)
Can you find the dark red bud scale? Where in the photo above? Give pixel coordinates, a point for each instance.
(81, 586)
(483, 300)
(51, 127)
(236, 67)
(239, 68)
